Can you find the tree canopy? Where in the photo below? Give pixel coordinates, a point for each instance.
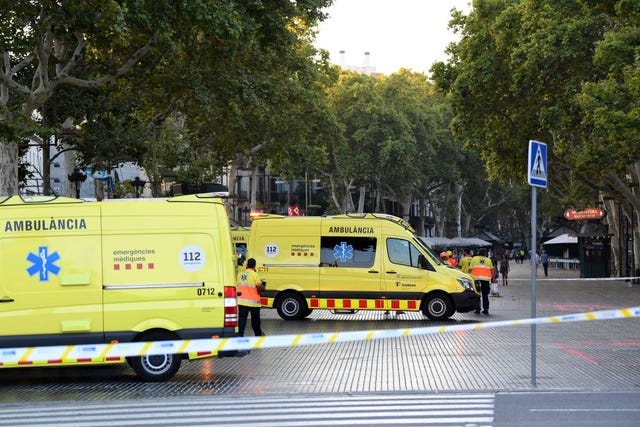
(142, 61)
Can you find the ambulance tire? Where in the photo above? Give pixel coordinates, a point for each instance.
(159, 367)
(308, 312)
(292, 306)
(438, 306)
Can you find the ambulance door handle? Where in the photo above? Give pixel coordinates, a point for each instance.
(391, 272)
(374, 271)
(6, 299)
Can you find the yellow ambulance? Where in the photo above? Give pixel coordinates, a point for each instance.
(354, 262)
(76, 272)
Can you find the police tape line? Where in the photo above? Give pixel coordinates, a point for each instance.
(574, 279)
(116, 351)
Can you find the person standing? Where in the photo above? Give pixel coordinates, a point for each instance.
(534, 260)
(249, 288)
(451, 259)
(504, 269)
(544, 259)
(481, 268)
(464, 261)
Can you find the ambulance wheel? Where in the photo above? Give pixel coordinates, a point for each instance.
(292, 306)
(159, 367)
(437, 306)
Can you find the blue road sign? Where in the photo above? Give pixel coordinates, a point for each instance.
(537, 169)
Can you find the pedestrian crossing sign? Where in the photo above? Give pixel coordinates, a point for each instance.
(537, 169)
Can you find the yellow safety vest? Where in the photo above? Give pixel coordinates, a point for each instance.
(248, 282)
(481, 268)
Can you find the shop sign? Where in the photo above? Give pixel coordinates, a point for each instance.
(590, 213)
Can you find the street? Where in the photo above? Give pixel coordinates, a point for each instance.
(585, 371)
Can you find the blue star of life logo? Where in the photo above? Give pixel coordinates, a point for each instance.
(243, 277)
(343, 252)
(43, 263)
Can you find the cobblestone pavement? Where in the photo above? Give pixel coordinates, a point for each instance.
(600, 355)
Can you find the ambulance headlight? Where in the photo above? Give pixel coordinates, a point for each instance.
(465, 283)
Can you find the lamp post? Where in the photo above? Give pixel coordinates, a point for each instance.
(77, 178)
(138, 185)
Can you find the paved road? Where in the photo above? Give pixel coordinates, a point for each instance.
(501, 409)
(581, 362)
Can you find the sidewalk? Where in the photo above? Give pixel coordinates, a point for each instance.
(523, 271)
(561, 292)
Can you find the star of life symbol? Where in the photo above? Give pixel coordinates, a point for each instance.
(243, 277)
(343, 252)
(43, 263)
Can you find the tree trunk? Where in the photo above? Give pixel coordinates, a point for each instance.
(234, 165)
(69, 165)
(8, 168)
(363, 191)
(613, 218)
(405, 203)
(46, 167)
(253, 204)
(420, 230)
(459, 191)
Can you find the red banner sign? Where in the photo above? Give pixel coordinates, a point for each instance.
(591, 213)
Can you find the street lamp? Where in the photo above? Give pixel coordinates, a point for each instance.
(77, 178)
(138, 185)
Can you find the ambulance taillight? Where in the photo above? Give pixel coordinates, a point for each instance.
(230, 307)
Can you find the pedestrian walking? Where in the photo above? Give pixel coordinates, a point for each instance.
(544, 259)
(504, 269)
(481, 269)
(249, 288)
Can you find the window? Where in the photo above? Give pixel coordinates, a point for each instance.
(402, 252)
(350, 252)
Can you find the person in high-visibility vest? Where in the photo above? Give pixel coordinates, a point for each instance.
(482, 270)
(465, 261)
(249, 288)
(451, 259)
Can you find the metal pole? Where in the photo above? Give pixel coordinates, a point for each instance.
(534, 259)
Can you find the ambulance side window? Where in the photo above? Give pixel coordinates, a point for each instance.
(402, 252)
(350, 252)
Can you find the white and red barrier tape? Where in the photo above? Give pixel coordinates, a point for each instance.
(115, 351)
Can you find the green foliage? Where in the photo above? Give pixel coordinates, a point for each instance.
(562, 72)
(242, 73)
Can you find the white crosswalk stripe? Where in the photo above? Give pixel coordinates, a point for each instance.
(402, 409)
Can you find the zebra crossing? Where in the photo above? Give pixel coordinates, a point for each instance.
(385, 409)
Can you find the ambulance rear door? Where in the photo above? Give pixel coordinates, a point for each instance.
(51, 282)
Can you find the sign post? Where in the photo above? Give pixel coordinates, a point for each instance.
(537, 177)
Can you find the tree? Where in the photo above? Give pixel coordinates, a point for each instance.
(563, 72)
(47, 45)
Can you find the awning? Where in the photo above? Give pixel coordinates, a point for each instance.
(563, 239)
(456, 242)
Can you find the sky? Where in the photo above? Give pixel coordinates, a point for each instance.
(396, 33)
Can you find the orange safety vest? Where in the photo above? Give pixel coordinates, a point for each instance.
(248, 282)
(481, 268)
(452, 261)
